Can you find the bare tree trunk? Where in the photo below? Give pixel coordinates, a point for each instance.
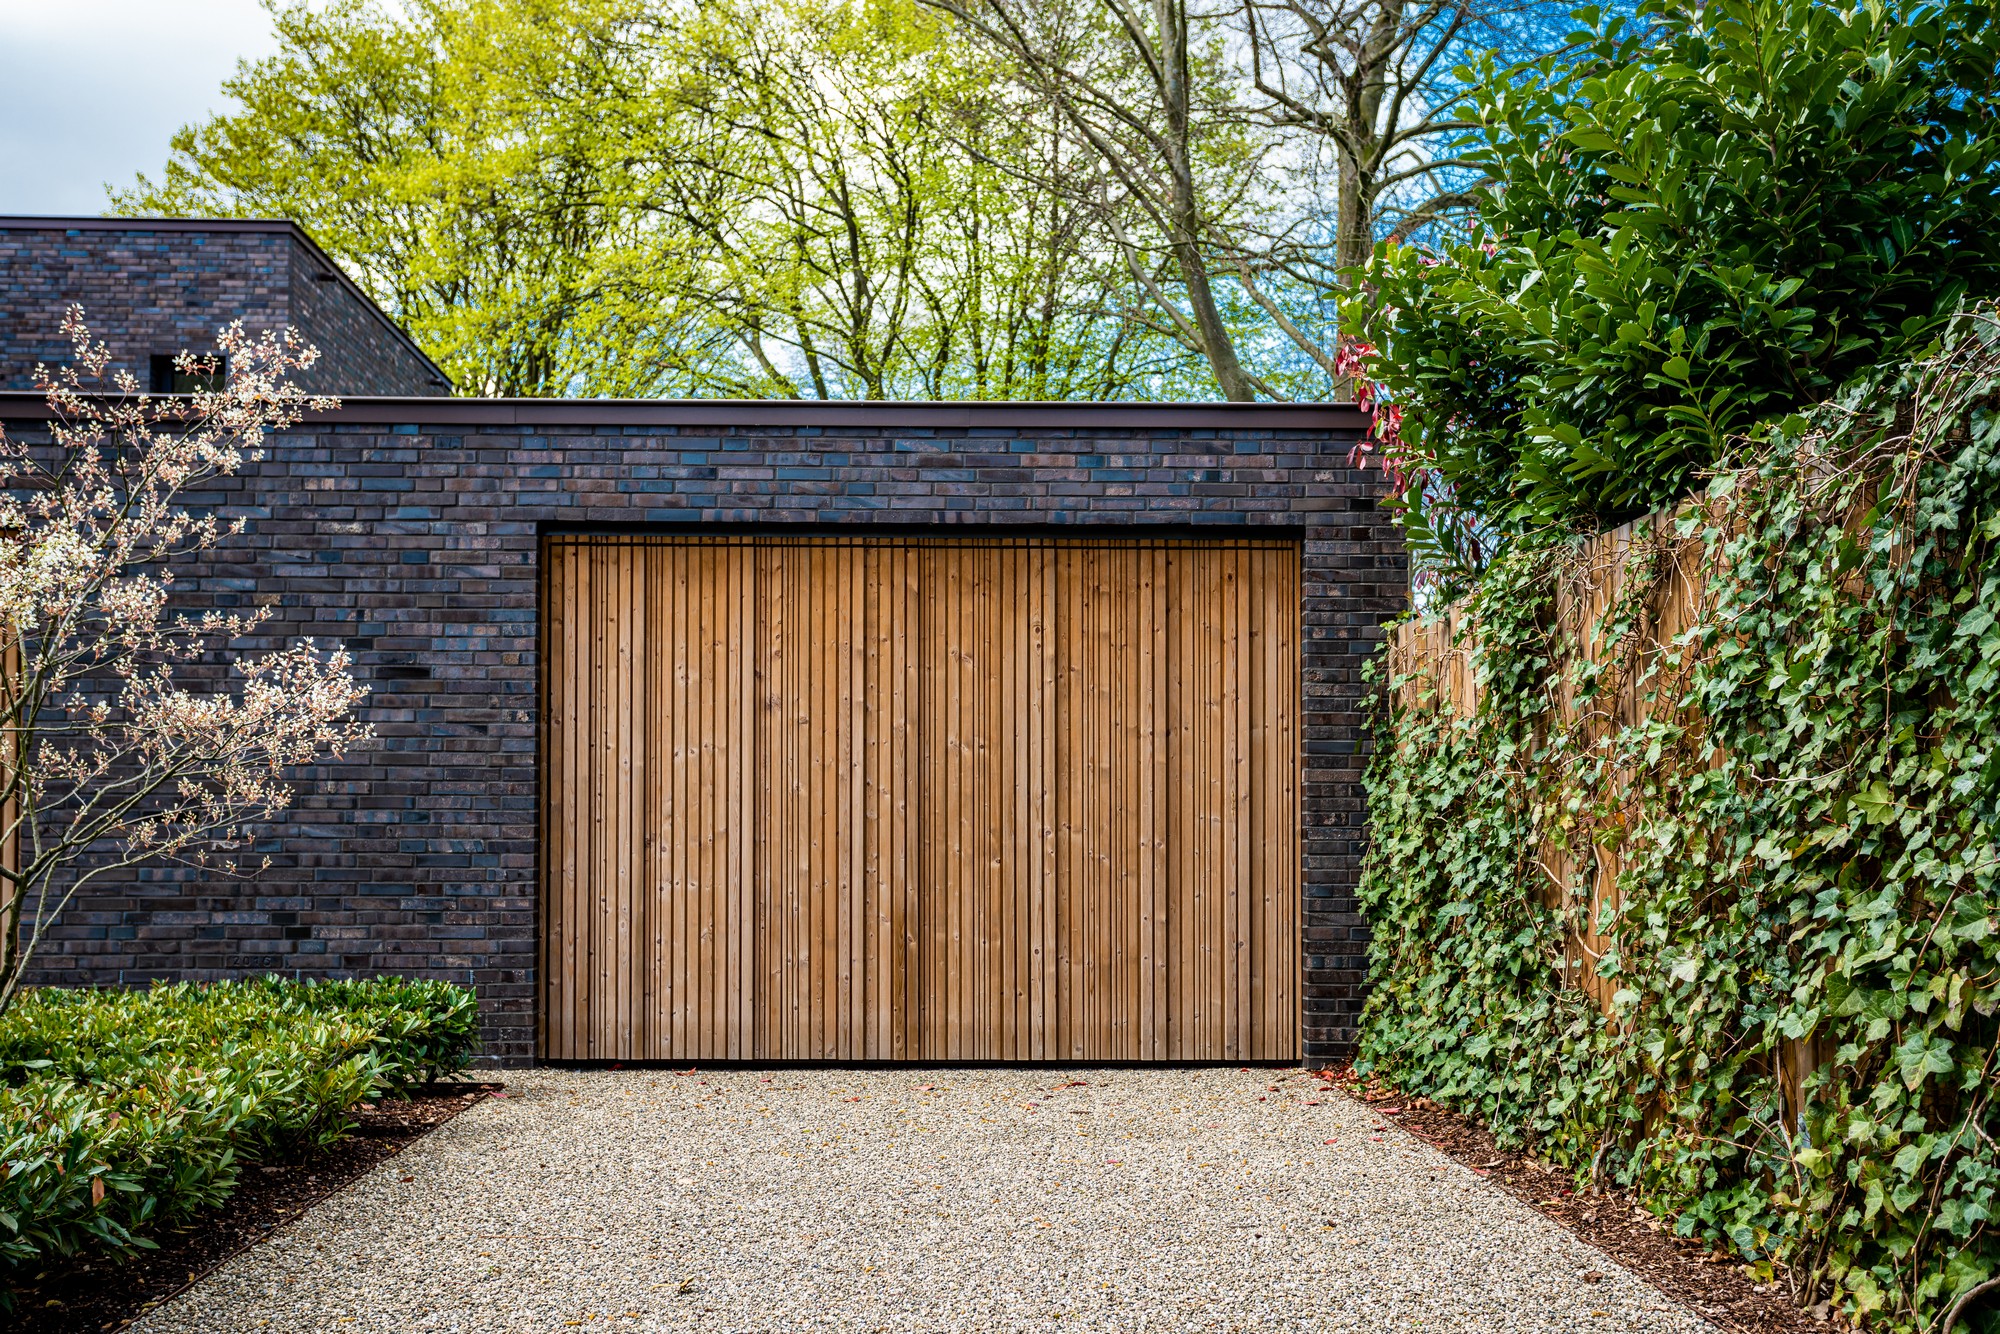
(1166, 133)
(1361, 158)
(1170, 20)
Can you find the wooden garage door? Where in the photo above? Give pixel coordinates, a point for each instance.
(920, 799)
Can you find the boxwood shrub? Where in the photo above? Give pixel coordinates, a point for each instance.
(125, 1111)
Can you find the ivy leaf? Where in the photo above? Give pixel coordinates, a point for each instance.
(1922, 1056)
(1966, 1271)
(1877, 802)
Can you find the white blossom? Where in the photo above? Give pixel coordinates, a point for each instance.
(108, 760)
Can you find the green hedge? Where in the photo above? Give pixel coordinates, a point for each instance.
(1806, 834)
(122, 1111)
(1709, 214)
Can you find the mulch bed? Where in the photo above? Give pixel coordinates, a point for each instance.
(107, 1294)
(1715, 1286)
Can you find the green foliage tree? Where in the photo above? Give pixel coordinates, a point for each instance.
(1710, 218)
(440, 152)
(1147, 96)
(618, 198)
(861, 200)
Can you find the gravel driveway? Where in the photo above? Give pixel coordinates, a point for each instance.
(920, 1200)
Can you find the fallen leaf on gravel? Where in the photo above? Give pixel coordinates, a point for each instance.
(1331, 1141)
(1390, 1111)
(1481, 1172)
(1593, 1277)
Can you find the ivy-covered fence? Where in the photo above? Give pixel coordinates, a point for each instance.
(1685, 857)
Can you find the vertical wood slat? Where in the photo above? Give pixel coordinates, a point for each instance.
(890, 799)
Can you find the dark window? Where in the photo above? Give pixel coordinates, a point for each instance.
(170, 379)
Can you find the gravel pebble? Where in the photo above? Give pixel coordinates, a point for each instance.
(913, 1199)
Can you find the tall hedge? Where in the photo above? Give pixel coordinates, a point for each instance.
(1808, 831)
(1705, 218)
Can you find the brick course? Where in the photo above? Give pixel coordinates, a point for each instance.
(410, 533)
(164, 286)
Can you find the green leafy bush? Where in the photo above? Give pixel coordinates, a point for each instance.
(1706, 219)
(123, 1111)
(1807, 837)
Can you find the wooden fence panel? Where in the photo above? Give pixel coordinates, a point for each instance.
(1440, 654)
(868, 799)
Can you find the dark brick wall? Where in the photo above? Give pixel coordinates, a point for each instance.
(360, 351)
(142, 292)
(163, 287)
(411, 536)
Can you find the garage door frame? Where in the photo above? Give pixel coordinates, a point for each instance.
(1277, 1034)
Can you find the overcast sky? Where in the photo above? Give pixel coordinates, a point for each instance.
(93, 89)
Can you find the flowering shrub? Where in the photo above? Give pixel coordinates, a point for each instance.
(109, 760)
(125, 1112)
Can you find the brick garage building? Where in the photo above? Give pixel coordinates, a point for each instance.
(416, 532)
